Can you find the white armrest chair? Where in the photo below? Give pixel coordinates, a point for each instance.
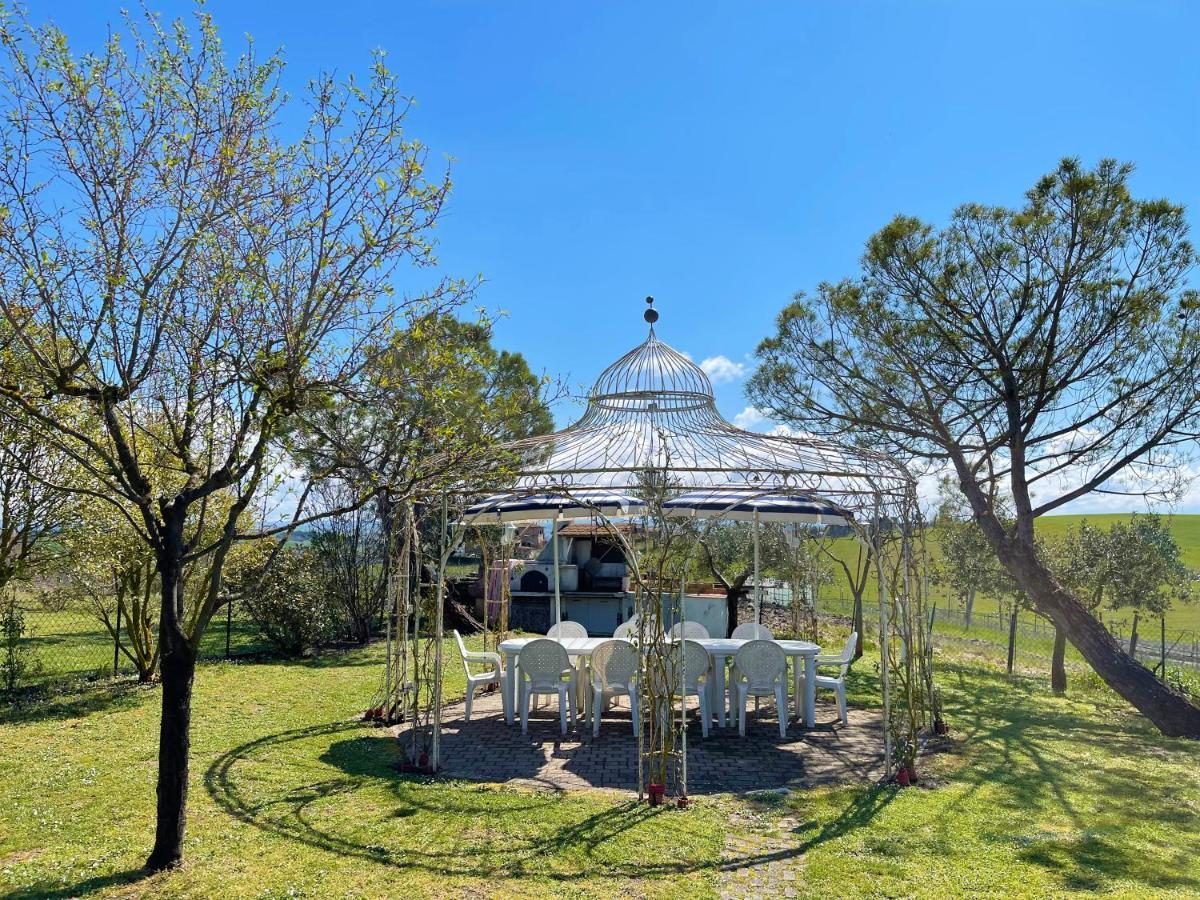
(614, 668)
(693, 681)
(686, 629)
(752, 631)
(627, 630)
(567, 629)
(697, 670)
(493, 675)
(545, 668)
(837, 682)
(760, 670)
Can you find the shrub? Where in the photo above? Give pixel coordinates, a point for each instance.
(16, 660)
(287, 600)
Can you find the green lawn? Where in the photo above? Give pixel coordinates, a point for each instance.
(1034, 795)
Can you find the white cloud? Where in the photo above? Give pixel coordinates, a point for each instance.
(750, 418)
(722, 369)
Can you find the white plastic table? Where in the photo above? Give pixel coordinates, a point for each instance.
(575, 647)
(719, 649)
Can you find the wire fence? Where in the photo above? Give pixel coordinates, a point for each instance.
(71, 641)
(1179, 647)
(61, 642)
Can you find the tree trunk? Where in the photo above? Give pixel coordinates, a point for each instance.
(1058, 668)
(1170, 711)
(970, 608)
(1133, 636)
(733, 596)
(362, 628)
(177, 664)
(858, 625)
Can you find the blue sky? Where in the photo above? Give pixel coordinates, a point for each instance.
(721, 157)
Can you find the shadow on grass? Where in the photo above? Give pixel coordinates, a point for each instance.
(1034, 745)
(72, 700)
(53, 889)
(448, 815)
(1088, 862)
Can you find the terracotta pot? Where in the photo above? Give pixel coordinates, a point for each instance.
(656, 792)
(902, 777)
(682, 802)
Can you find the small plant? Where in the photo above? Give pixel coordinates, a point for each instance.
(16, 660)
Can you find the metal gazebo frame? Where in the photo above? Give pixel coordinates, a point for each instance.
(653, 411)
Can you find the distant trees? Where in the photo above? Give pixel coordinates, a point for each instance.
(34, 513)
(1135, 565)
(435, 400)
(857, 573)
(1149, 574)
(967, 564)
(1042, 353)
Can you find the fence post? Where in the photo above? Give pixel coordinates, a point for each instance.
(1012, 638)
(117, 642)
(1162, 621)
(228, 624)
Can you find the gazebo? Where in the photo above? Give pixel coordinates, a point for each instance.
(652, 415)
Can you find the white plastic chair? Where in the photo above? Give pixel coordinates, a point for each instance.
(760, 670)
(627, 630)
(697, 670)
(752, 631)
(686, 629)
(493, 675)
(614, 667)
(836, 683)
(545, 668)
(567, 629)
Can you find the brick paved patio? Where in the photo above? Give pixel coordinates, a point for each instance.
(486, 749)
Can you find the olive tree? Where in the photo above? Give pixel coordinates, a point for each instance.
(178, 257)
(1041, 354)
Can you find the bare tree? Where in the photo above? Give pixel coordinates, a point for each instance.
(1041, 353)
(180, 262)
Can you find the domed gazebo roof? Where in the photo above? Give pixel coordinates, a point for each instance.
(653, 410)
(652, 376)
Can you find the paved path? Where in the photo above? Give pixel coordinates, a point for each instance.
(781, 866)
(486, 749)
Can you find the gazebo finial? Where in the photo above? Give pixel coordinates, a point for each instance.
(651, 314)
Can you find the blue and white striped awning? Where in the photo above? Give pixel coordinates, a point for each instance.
(727, 504)
(582, 504)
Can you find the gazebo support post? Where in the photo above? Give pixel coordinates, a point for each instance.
(757, 575)
(557, 579)
(435, 757)
(884, 628)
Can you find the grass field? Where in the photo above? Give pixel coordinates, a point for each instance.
(1033, 796)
